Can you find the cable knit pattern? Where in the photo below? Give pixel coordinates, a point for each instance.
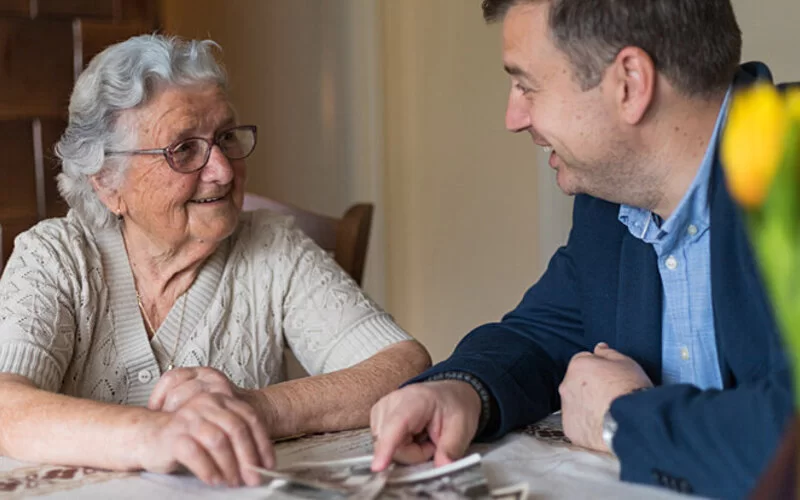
(69, 319)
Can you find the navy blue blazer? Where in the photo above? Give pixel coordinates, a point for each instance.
(604, 285)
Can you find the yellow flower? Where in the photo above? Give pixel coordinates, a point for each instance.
(753, 143)
(793, 103)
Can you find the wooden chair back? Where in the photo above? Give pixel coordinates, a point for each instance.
(347, 238)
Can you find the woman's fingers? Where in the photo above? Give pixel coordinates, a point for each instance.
(166, 383)
(258, 430)
(219, 445)
(194, 457)
(180, 394)
(208, 412)
(178, 386)
(241, 436)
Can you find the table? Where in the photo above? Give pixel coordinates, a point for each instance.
(539, 455)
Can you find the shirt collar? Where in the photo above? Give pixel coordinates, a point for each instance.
(693, 209)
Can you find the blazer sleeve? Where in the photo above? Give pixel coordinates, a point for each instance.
(717, 442)
(522, 359)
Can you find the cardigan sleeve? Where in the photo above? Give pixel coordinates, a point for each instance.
(37, 316)
(328, 321)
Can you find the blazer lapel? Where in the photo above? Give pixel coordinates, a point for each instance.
(740, 305)
(639, 306)
(741, 309)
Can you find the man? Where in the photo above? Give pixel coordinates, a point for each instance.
(650, 329)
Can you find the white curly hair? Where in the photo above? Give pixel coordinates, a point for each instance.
(123, 76)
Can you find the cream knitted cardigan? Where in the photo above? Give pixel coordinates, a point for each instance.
(69, 319)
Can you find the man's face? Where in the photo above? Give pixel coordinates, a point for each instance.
(579, 128)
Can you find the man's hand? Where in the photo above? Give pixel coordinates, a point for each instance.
(178, 386)
(592, 382)
(448, 410)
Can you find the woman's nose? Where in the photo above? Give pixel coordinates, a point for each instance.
(218, 168)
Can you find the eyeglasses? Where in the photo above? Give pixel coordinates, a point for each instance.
(190, 155)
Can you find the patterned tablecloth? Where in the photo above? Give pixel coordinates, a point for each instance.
(539, 455)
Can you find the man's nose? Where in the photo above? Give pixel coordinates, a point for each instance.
(517, 115)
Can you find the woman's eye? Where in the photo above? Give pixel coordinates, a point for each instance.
(187, 148)
(227, 136)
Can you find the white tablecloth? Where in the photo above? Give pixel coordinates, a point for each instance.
(551, 467)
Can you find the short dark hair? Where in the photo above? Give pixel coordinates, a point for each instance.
(696, 44)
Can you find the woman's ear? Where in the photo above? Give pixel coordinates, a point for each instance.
(107, 193)
(634, 76)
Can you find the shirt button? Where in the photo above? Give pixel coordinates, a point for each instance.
(672, 263)
(145, 376)
(685, 353)
(692, 229)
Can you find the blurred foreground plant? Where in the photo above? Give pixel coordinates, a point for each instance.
(761, 158)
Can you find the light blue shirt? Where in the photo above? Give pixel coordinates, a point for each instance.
(683, 248)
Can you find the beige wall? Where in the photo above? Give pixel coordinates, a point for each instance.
(401, 102)
(287, 76)
(770, 33)
(461, 192)
(307, 73)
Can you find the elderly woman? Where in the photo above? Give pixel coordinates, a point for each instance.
(145, 330)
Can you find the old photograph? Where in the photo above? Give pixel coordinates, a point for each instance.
(352, 478)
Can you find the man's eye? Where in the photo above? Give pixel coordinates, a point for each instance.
(523, 89)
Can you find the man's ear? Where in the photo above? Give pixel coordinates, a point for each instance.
(108, 193)
(633, 76)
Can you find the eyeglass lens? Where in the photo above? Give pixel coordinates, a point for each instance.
(192, 154)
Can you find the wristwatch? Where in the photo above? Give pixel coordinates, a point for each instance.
(610, 424)
(609, 429)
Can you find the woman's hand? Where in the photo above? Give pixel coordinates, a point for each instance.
(216, 436)
(178, 386)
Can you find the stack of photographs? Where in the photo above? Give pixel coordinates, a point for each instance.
(352, 478)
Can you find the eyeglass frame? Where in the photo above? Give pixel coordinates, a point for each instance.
(167, 151)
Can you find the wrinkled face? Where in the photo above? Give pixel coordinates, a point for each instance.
(174, 208)
(577, 128)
